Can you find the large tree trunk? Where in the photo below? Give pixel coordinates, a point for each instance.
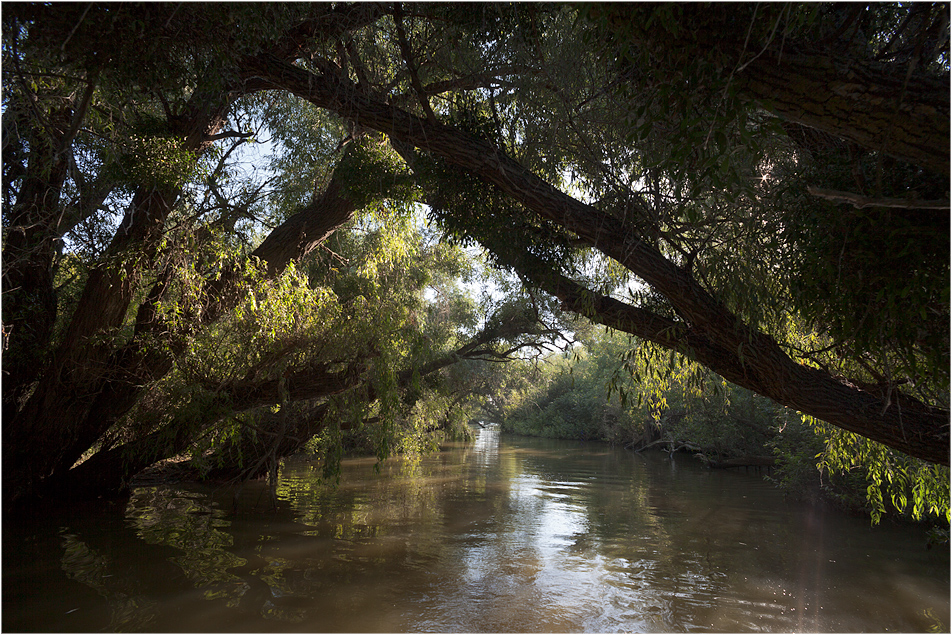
(53, 427)
(41, 436)
(69, 423)
(916, 429)
(253, 454)
(29, 248)
(905, 424)
(131, 369)
(138, 365)
(109, 471)
(893, 108)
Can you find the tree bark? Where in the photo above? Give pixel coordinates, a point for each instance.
(43, 434)
(90, 382)
(884, 107)
(135, 366)
(907, 118)
(139, 364)
(109, 471)
(245, 458)
(303, 232)
(898, 421)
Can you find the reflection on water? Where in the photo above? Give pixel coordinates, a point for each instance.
(497, 535)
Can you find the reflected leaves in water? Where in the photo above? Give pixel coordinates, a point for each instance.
(187, 522)
(129, 612)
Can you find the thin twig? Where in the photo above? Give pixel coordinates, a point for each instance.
(411, 67)
(76, 26)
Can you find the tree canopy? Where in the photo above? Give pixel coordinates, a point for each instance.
(211, 216)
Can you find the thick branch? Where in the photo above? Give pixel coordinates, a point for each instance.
(858, 101)
(921, 431)
(87, 378)
(58, 410)
(301, 385)
(110, 470)
(143, 361)
(329, 25)
(230, 134)
(307, 229)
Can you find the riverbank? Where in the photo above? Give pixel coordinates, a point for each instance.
(792, 470)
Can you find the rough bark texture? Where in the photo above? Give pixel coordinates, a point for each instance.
(89, 384)
(303, 232)
(889, 107)
(136, 365)
(89, 381)
(907, 118)
(109, 471)
(42, 436)
(756, 361)
(899, 422)
(249, 457)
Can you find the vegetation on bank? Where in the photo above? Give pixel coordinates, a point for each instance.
(618, 391)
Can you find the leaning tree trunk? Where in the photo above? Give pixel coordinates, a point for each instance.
(252, 453)
(761, 366)
(907, 424)
(138, 365)
(87, 385)
(893, 108)
(49, 433)
(109, 471)
(41, 435)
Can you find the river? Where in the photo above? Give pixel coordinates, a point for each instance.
(503, 534)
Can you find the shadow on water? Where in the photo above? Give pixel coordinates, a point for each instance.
(504, 534)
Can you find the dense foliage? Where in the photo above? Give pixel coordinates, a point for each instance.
(231, 229)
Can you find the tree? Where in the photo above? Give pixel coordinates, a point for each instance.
(120, 152)
(708, 330)
(175, 255)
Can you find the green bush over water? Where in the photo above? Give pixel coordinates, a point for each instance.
(642, 403)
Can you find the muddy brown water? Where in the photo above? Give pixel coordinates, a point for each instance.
(500, 535)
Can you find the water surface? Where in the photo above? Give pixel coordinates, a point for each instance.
(504, 534)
